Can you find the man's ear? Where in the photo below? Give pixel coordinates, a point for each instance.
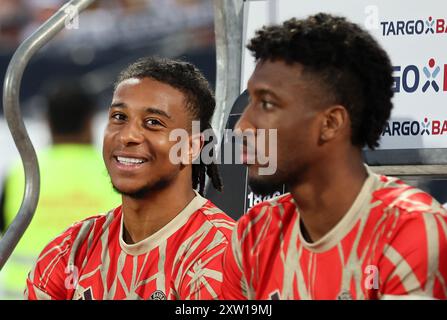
(335, 123)
(196, 143)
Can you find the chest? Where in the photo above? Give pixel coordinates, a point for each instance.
(287, 269)
(117, 275)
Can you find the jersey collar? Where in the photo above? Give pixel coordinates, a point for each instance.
(154, 240)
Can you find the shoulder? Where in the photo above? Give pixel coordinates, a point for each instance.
(413, 254)
(50, 270)
(269, 210)
(73, 237)
(394, 195)
(92, 223)
(414, 219)
(207, 234)
(48, 277)
(216, 219)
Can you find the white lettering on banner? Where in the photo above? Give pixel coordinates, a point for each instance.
(254, 199)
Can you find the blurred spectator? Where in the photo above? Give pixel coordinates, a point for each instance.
(74, 184)
(13, 18)
(106, 37)
(148, 18)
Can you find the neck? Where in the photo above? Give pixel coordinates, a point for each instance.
(327, 193)
(144, 217)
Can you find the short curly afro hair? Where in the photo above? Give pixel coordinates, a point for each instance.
(345, 59)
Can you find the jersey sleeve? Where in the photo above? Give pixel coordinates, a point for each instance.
(414, 262)
(201, 273)
(234, 285)
(52, 278)
(203, 280)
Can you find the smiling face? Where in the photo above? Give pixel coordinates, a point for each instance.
(136, 140)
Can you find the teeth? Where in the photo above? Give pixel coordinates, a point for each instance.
(125, 160)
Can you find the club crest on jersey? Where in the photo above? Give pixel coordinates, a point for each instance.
(344, 295)
(158, 295)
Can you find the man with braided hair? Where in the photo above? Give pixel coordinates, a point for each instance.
(343, 232)
(165, 241)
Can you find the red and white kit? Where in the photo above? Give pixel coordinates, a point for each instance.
(90, 260)
(392, 243)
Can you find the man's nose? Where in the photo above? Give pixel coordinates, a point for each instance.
(245, 121)
(132, 133)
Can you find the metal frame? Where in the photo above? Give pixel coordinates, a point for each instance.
(228, 29)
(228, 26)
(11, 90)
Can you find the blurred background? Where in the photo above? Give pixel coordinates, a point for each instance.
(65, 93)
(111, 34)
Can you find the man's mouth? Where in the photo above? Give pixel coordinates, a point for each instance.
(130, 161)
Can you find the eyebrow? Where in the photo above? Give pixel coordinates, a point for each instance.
(264, 92)
(147, 110)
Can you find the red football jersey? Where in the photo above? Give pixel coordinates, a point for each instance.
(392, 243)
(90, 260)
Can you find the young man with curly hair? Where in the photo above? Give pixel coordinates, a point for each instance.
(343, 232)
(165, 241)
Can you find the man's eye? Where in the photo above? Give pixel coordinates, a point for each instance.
(118, 116)
(266, 105)
(153, 122)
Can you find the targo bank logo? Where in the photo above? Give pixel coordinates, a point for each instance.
(411, 78)
(427, 26)
(416, 128)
